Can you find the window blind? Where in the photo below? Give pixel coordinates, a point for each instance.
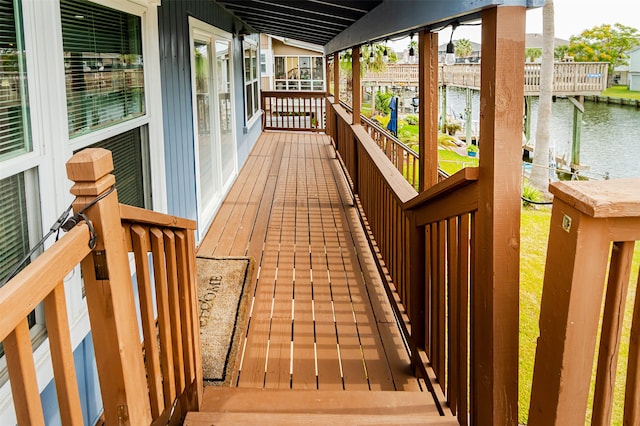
(126, 149)
(15, 138)
(14, 231)
(104, 73)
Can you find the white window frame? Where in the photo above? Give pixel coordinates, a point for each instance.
(52, 147)
(252, 46)
(299, 80)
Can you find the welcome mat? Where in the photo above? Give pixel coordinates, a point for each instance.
(222, 294)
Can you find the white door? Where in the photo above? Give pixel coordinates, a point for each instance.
(214, 128)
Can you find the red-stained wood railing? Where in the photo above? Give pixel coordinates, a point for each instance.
(425, 251)
(289, 110)
(156, 383)
(594, 226)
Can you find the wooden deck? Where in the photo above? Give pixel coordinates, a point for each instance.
(320, 318)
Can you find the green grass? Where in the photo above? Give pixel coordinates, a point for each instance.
(534, 237)
(621, 92)
(451, 161)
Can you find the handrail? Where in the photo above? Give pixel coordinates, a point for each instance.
(594, 226)
(405, 158)
(154, 384)
(404, 229)
(293, 110)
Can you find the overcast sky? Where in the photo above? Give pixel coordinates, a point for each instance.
(571, 18)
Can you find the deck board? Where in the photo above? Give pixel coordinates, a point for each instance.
(319, 316)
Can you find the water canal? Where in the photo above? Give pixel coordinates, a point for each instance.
(610, 140)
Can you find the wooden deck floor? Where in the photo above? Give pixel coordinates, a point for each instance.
(319, 317)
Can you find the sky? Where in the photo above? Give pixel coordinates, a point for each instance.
(571, 18)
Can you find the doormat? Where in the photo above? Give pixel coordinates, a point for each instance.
(223, 297)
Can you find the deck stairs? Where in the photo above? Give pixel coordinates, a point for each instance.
(243, 406)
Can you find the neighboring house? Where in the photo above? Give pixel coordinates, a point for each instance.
(634, 69)
(171, 88)
(287, 64)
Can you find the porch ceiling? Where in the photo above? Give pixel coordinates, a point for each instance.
(316, 21)
(342, 24)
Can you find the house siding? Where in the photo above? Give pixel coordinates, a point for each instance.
(175, 71)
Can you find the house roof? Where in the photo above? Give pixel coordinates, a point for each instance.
(342, 24)
(534, 40)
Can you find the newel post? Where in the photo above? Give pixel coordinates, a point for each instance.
(109, 293)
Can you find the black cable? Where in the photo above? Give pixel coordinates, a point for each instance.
(66, 225)
(538, 203)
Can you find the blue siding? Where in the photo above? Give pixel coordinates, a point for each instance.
(175, 73)
(88, 385)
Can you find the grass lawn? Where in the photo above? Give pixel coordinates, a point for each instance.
(452, 162)
(621, 92)
(534, 237)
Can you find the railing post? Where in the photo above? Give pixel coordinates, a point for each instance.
(109, 292)
(336, 78)
(495, 292)
(428, 112)
(586, 218)
(355, 85)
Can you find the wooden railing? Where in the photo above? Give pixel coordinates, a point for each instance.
(425, 249)
(171, 383)
(570, 78)
(594, 226)
(288, 110)
(402, 156)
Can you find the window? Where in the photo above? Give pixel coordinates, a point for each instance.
(104, 83)
(129, 163)
(299, 73)
(19, 223)
(19, 212)
(15, 137)
(251, 92)
(103, 65)
(263, 63)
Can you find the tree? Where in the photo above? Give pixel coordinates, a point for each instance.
(463, 47)
(561, 52)
(539, 171)
(533, 53)
(605, 43)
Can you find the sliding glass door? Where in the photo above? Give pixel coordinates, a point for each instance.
(213, 106)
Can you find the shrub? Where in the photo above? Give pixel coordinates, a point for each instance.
(411, 119)
(452, 128)
(530, 193)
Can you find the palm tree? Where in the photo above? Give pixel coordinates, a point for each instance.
(463, 47)
(539, 171)
(533, 53)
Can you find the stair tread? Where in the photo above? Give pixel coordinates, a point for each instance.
(284, 419)
(246, 400)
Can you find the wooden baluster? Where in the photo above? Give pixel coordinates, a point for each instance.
(109, 293)
(632, 391)
(618, 283)
(22, 375)
(55, 310)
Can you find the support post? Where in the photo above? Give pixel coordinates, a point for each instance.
(578, 110)
(355, 85)
(336, 78)
(494, 303)
(109, 293)
(428, 112)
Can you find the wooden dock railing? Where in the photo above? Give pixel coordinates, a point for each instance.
(570, 78)
(289, 110)
(157, 382)
(594, 226)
